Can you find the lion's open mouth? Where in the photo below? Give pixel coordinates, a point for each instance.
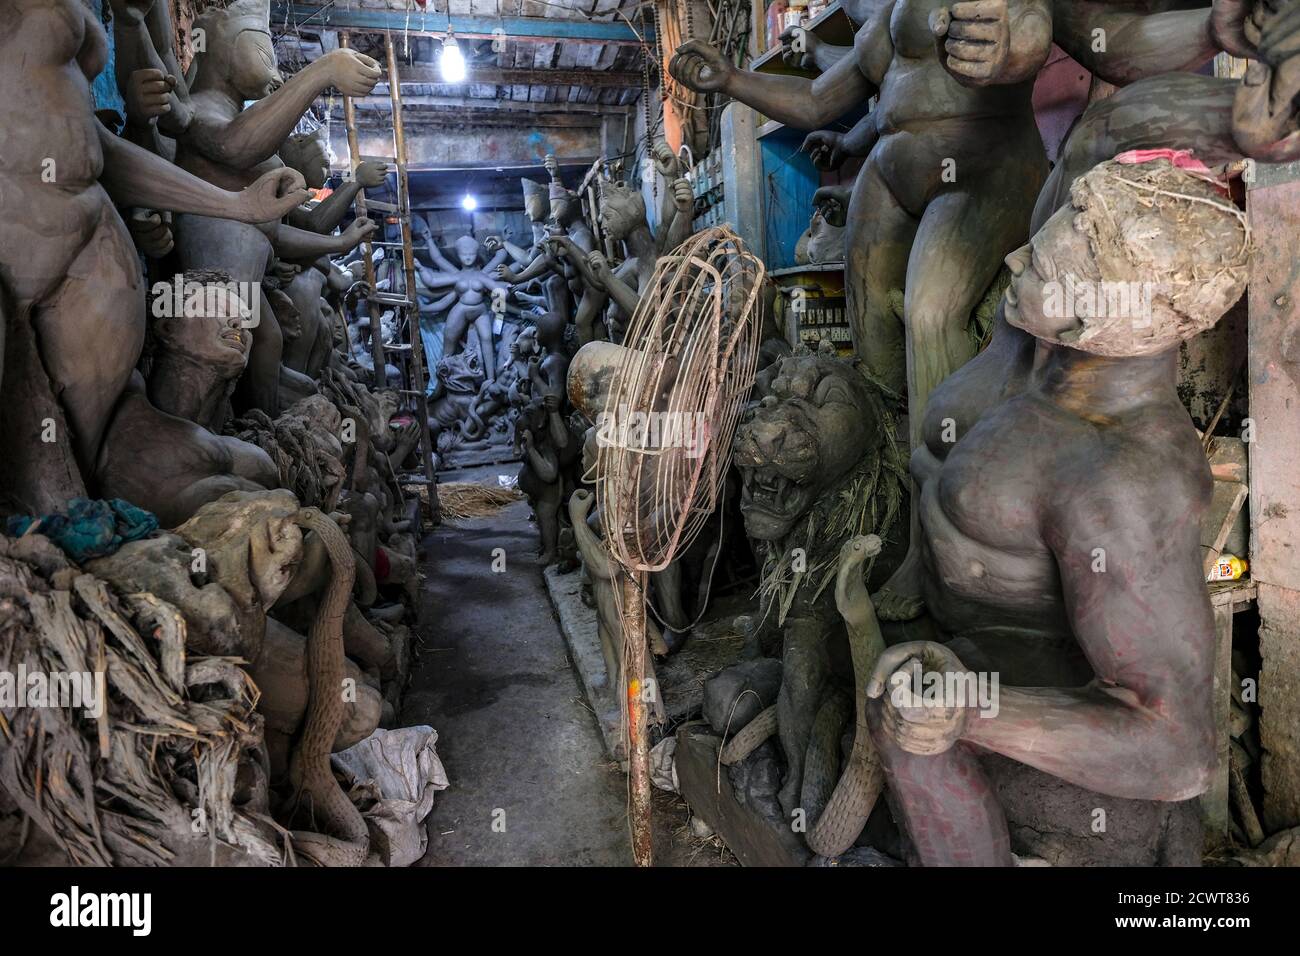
(766, 489)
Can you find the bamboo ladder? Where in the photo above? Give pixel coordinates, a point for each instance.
(405, 302)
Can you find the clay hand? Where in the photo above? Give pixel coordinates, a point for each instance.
(1233, 28)
(361, 227)
(272, 196)
(919, 722)
(551, 165)
(491, 244)
(580, 503)
(352, 73)
(551, 403)
(599, 267)
(1264, 111)
(148, 94)
(666, 161)
(701, 67)
(151, 231)
(798, 47)
(505, 274)
(371, 175)
(825, 148)
(683, 195)
(284, 272)
(980, 44)
(832, 203)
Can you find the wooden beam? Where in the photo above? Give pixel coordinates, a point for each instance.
(595, 79)
(461, 109)
(289, 16)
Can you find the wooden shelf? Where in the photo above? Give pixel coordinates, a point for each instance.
(831, 25)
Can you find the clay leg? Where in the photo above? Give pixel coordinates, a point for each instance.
(878, 238)
(487, 351)
(547, 506)
(949, 807)
(90, 332)
(453, 333)
(805, 669)
(589, 308)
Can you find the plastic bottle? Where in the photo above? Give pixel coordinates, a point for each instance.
(1229, 567)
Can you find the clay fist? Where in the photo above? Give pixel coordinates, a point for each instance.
(910, 713)
(798, 48)
(666, 160)
(352, 73)
(683, 195)
(272, 196)
(148, 95)
(371, 175)
(701, 67)
(981, 43)
(151, 231)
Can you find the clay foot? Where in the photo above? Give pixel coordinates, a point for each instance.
(900, 598)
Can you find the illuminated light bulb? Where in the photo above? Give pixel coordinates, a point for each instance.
(453, 61)
(469, 202)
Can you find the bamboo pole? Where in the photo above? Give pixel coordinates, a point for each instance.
(633, 585)
(354, 159)
(408, 263)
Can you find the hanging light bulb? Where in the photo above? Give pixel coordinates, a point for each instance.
(469, 203)
(452, 62)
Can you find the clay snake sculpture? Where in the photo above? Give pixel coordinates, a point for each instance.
(345, 840)
(851, 801)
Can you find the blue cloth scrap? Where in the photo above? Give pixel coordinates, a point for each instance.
(89, 529)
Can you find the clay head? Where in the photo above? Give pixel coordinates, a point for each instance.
(467, 250)
(565, 207)
(621, 209)
(209, 328)
(1144, 256)
(238, 52)
(309, 153)
(525, 343)
(537, 200)
(550, 330)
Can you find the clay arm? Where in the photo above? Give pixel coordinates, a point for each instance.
(520, 256)
(136, 177)
(431, 279)
(325, 216)
(446, 302)
(543, 464)
(1264, 109)
(575, 254)
(793, 100)
(139, 65)
(536, 301)
(436, 255)
(624, 296)
(301, 245)
(816, 54)
(255, 133)
(1144, 728)
(1136, 45)
(542, 264)
(501, 255)
(594, 556)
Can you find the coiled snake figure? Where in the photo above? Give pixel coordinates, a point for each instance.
(344, 839)
(854, 796)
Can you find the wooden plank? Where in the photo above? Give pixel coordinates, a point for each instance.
(1214, 802)
(706, 788)
(1273, 376)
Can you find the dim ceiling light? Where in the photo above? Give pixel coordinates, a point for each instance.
(453, 61)
(469, 202)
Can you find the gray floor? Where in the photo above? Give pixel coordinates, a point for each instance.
(520, 747)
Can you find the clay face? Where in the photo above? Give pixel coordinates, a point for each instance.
(620, 210)
(253, 69)
(276, 550)
(211, 335)
(525, 344)
(309, 154)
(796, 442)
(1057, 259)
(537, 203)
(467, 251)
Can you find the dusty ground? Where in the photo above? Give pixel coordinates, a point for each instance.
(530, 782)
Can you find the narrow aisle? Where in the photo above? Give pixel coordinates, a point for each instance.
(530, 781)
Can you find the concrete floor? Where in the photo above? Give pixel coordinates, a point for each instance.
(530, 784)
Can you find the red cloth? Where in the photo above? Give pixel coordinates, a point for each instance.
(1181, 158)
(382, 567)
